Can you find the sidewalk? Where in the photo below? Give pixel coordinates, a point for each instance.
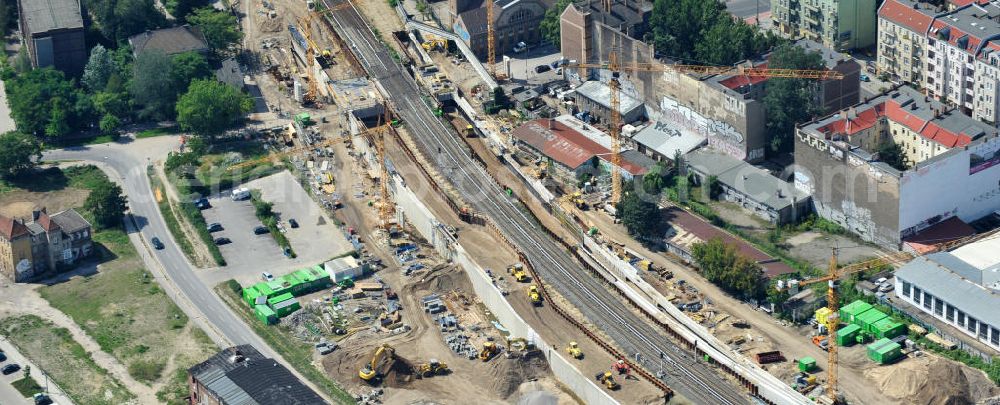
(11, 395)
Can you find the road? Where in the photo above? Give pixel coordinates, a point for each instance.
(687, 375)
(747, 8)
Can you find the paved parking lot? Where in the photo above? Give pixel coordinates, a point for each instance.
(314, 241)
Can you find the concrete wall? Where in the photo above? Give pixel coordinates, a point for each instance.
(66, 50)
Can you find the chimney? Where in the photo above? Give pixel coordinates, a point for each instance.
(35, 214)
(780, 194)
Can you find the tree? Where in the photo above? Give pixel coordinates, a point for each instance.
(186, 67)
(727, 41)
(181, 8)
(152, 86)
(110, 124)
(220, 28)
(107, 203)
(19, 152)
(790, 100)
(550, 23)
(111, 103)
(120, 19)
(8, 16)
(99, 68)
(43, 101)
(677, 25)
(640, 217)
(721, 264)
(210, 107)
(655, 180)
(892, 154)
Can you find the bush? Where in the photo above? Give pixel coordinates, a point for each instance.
(194, 217)
(265, 214)
(146, 370)
(235, 286)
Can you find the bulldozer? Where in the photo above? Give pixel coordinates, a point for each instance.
(517, 271)
(431, 368)
(607, 380)
(375, 370)
(489, 350)
(574, 350)
(534, 295)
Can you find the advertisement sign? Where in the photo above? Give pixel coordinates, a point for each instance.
(984, 156)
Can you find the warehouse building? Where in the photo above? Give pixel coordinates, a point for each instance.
(515, 21)
(53, 32)
(595, 97)
(662, 139)
(575, 146)
(952, 167)
(960, 288)
(242, 375)
(170, 41)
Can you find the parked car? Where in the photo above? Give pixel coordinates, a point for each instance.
(885, 287)
(222, 241)
(3, 357)
(202, 203)
(156, 243)
(542, 68)
(260, 230)
(865, 78)
(42, 399)
(214, 227)
(267, 276)
(520, 47)
(881, 281)
(293, 223)
(10, 368)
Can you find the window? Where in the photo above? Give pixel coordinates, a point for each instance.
(938, 307)
(971, 325)
(961, 318)
(906, 289)
(949, 314)
(995, 337)
(984, 331)
(916, 295)
(928, 299)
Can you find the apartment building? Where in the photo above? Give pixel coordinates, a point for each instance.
(46, 244)
(902, 39)
(952, 174)
(837, 24)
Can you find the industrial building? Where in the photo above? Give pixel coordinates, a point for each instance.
(752, 188)
(345, 268)
(838, 24)
(44, 245)
(242, 375)
(575, 146)
(514, 21)
(960, 288)
(170, 41)
(54, 34)
(594, 97)
(662, 139)
(952, 167)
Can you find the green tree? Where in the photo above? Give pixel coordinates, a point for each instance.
(210, 107)
(220, 28)
(110, 124)
(107, 203)
(100, 66)
(727, 41)
(116, 104)
(8, 16)
(120, 19)
(723, 265)
(43, 101)
(677, 25)
(892, 154)
(655, 180)
(19, 152)
(152, 86)
(790, 100)
(640, 217)
(179, 9)
(550, 23)
(186, 67)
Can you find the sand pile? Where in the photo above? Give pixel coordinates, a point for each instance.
(923, 380)
(508, 374)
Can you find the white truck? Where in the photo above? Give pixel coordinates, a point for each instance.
(241, 194)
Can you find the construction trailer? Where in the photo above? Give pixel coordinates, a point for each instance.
(888, 328)
(344, 268)
(866, 320)
(850, 312)
(847, 335)
(884, 351)
(265, 314)
(286, 307)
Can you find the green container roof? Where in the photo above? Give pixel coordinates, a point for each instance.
(264, 310)
(855, 308)
(878, 344)
(807, 360)
(279, 298)
(849, 329)
(885, 324)
(263, 288)
(871, 316)
(888, 348)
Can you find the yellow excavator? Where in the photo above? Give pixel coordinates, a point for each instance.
(608, 380)
(431, 368)
(574, 350)
(517, 271)
(489, 350)
(374, 370)
(534, 295)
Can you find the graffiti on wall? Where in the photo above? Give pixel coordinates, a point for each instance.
(984, 156)
(721, 136)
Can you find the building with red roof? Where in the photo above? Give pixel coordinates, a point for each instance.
(47, 243)
(952, 165)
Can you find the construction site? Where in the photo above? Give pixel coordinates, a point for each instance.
(414, 325)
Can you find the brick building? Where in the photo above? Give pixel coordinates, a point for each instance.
(53, 32)
(516, 21)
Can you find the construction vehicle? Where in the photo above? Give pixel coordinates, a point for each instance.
(607, 380)
(435, 45)
(431, 368)
(579, 202)
(373, 371)
(534, 295)
(821, 342)
(634, 67)
(517, 271)
(622, 367)
(574, 350)
(490, 349)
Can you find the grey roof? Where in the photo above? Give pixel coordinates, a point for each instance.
(600, 93)
(47, 15)
(638, 158)
(253, 380)
(474, 20)
(623, 12)
(941, 277)
(665, 138)
(230, 73)
(70, 220)
(170, 40)
(34, 228)
(745, 178)
(831, 57)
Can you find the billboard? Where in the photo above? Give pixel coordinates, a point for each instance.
(983, 156)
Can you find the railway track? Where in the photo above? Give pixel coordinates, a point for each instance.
(682, 370)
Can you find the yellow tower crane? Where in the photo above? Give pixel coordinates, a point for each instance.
(386, 209)
(490, 40)
(312, 47)
(614, 84)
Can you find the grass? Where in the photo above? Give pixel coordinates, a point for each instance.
(66, 362)
(296, 352)
(170, 217)
(152, 132)
(263, 211)
(66, 143)
(27, 386)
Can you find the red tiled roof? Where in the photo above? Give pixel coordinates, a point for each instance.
(736, 82)
(560, 143)
(944, 137)
(904, 15)
(864, 120)
(10, 228)
(954, 34)
(898, 114)
(46, 222)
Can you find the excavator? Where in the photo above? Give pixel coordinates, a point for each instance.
(579, 202)
(574, 350)
(431, 368)
(607, 380)
(489, 350)
(517, 271)
(374, 370)
(534, 295)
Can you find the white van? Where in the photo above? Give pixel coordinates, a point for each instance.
(241, 194)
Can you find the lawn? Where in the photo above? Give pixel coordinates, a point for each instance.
(27, 386)
(167, 210)
(296, 352)
(64, 361)
(149, 133)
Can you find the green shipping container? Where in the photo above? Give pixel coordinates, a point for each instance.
(884, 351)
(283, 297)
(887, 328)
(265, 314)
(868, 319)
(250, 295)
(847, 335)
(286, 307)
(807, 364)
(851, 311)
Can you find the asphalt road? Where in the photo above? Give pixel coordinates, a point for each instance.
(685, 373)
(747, 8)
